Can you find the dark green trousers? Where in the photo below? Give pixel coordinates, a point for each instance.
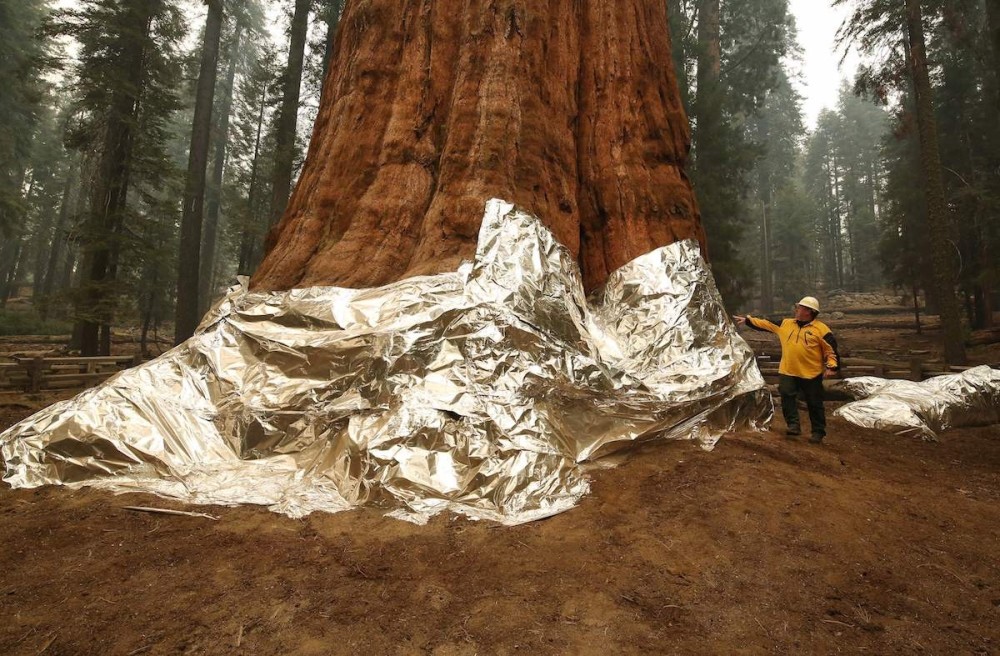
(812, 390)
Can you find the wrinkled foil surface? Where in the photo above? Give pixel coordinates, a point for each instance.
(924, 409)
(481, 391)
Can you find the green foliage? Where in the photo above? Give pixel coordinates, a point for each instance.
(793, 243)
(755, 37)
(23, 56)
(966, 99)
(27, 322)
(777, 234)
(125, 90)
(845, 172)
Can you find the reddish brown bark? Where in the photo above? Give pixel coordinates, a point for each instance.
(569, 109)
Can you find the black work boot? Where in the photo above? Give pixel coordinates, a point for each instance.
(817, 438)
(792, 431)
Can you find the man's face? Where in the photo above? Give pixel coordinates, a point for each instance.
(802, 313)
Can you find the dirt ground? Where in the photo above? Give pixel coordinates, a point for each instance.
(870, 543)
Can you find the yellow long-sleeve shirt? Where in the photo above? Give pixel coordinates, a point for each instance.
(805, 349)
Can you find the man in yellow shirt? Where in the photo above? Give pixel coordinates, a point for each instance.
(808, 355)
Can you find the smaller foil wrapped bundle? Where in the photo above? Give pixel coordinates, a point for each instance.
(904, 407)
(479, 391)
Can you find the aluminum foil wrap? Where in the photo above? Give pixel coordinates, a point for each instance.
(924, 409)
(480, 391)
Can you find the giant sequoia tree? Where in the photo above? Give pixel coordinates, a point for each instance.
(569, 109)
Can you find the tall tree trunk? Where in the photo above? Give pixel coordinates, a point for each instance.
(707, 109)
(986, 257)
(10, 256)
(250, 243)
(110, 192)
(569, 109)
(206, 277)
(42, 244)
(939, 225)
(59, 240)
(194, 189)
(332, 12)
(284, 146)
(836, 222)
(764, 185)
(830, 226)
(708, 103)
(993, 19)
(766, 278)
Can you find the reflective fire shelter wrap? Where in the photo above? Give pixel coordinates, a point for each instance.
(481, 391)
(905, 407)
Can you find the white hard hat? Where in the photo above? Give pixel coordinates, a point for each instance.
(809, 302)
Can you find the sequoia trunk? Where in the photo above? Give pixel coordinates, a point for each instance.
(569, 109)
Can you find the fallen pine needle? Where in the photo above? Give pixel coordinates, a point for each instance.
(945, 569)
(850, 626)
(168, 511)
(49, 643)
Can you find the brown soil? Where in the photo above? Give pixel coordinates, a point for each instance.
(869, 543)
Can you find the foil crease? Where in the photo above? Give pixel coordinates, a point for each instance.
(924, 409)
(482, 391)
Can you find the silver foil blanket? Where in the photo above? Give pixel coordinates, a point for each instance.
(480, 391)
(971, 398)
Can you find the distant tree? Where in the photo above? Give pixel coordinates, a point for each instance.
(213, 209)
(125, 83)
(187, 312)
(23, 54)
(793, 241)
(863, 127)
(993, 22)
(287, 118)
(253, 157)
(737, 60)
(903, 247)
(970, 148)
(778, 130)
(877, 27)
(330, 14)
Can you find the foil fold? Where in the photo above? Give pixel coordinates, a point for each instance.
(482, 391)
(924, 409)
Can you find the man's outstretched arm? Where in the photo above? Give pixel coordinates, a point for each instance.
(762, 325)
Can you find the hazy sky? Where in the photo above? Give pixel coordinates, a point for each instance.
(820, 75)
(818, 23)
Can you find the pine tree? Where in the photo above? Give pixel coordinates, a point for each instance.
(125, 83)
(737, 59)
(877, 26)
(285, 135)
(187, 311)
(778, 129)
(23, 54)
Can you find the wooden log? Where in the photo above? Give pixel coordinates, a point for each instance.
(984, 337)
(35, 371)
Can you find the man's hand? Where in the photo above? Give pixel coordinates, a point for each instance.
(829, 373)
(740, 321)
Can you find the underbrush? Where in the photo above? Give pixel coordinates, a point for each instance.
(27, 322)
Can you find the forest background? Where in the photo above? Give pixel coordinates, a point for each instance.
(105, 221)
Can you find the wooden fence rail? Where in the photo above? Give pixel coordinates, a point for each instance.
(37, 374)
(916, 369)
